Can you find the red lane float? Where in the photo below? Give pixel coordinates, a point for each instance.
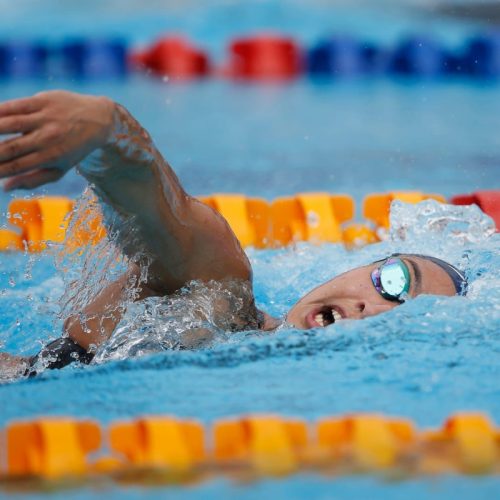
(487, 201)
(175, 57)
(264, 57)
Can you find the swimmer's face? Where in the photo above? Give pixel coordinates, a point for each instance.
(352, 295)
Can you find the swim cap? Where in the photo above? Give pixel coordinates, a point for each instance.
(457, 276)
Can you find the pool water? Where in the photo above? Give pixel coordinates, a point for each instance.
(425, 360)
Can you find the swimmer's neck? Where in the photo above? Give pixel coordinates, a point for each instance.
(269, 322)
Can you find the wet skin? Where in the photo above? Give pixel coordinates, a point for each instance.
(184, 239)
(353, 296)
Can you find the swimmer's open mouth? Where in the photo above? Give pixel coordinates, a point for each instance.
(324, 316)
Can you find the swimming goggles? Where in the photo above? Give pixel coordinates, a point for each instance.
(391, 279)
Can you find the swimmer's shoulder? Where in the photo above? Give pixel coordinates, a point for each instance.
(232, 304)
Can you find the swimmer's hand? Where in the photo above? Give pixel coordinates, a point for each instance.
(54, 131)
(12, 366)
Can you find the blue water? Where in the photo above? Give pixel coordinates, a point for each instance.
(425, 360)
(277, 140)
(212, 24)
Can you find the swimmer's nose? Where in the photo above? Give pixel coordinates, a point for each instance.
(365, 309)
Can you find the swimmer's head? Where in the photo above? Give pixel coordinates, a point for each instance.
(376, 288)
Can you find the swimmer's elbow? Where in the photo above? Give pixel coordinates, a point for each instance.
(83, 334)
(75, 331)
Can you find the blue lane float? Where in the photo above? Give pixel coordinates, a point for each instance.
(482, 57)
(74, 58)
(94, 58)
(377, 59)
(23, 59)
(347, 57)
(419, 56)
(338, 56)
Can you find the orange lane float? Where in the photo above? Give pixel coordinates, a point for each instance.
(487, 201)
(159, 442)
(358, 235)
(87, 228)
(270, 444)
(467, 443)
(10, 240)
(40, 220)
(376, 206)
(249, 218)
(476, 441)
(313, 217)
(369, 442)
(51, 449)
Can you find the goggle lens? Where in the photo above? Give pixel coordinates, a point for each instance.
(391, 279)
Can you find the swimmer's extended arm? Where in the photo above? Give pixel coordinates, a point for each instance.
(87, 328)
(99, 318)
(57, 130)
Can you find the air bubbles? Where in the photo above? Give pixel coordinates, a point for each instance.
(200, 315)
(430, 220)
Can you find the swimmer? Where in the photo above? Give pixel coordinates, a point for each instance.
(183, 239)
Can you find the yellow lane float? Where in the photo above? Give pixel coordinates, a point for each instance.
(51, 449)
(313, 217)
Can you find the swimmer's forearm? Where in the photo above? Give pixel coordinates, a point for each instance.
(129, 174)
(128, 157)
(185, 238)
(95, 324)
(54, 131)
(55, 355)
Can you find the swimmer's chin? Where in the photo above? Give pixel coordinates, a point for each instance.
(270, 323)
